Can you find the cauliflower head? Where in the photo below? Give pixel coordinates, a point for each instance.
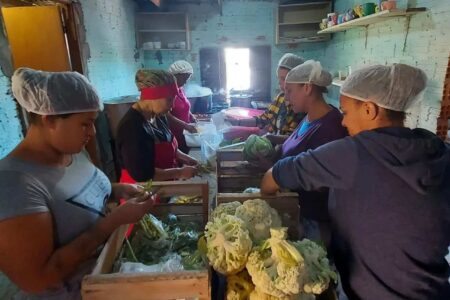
(318, 271)
(259, 295)
(276, 267)
(225, 208)
(239, 286)
(259, 217)
(228, 244)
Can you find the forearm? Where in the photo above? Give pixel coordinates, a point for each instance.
(268, 184)
(166, 174)
(175, 121)
(65, 260)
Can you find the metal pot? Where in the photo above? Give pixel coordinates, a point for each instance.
(201, 105)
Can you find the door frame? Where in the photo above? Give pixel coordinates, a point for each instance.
(73, 25)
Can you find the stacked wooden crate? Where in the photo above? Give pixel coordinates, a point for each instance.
(102, 284)
(234, 173)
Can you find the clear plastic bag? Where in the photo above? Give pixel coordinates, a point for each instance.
(171, 264)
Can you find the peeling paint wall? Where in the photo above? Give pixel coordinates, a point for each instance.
(110, 34)
(426, 44)
(243, 23)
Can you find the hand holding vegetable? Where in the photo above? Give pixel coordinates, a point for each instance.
(133, 210)
(125, 191)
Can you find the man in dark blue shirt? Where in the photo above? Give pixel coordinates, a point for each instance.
(389, 199)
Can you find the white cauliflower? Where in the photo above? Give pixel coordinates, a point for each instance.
(225, 208)
(318, 272)
(259, 295)
(276, 267)
(228, 244)
(259, 217)
(239, 286)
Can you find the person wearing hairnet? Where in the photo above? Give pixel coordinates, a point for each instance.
(146, 147)
(278, 119)
(389, 198)
(180, 117)
(53, 205)
(305, 86)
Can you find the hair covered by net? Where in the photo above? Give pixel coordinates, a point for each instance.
(54, 93)
(310, 72)
(290, 61)
(153, 78)
(396, 87)
(181, 67)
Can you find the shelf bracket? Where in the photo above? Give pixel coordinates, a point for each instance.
(407, 24)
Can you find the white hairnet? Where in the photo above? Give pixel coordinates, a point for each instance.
(181, 67)
(290, 61)
(54, 93)
(394, 87)
(309, 72)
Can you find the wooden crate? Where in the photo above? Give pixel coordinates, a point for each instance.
(234, 174)
(101, 284)
(285, 203)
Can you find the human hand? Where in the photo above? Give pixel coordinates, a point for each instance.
(187, 172)
(133, 210)
(190, 128)
(126, 191)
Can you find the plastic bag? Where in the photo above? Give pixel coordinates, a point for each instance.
(171, 264)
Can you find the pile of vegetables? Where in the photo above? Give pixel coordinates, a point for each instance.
(154, 242)
(247, 243)
(256, 147)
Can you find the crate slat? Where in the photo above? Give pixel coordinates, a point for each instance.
(101, 284)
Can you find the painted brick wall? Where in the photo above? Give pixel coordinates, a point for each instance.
(110, 31)
(427, 46)
(243, 23)
(10, 128)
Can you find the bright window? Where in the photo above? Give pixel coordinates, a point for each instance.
(237, 61)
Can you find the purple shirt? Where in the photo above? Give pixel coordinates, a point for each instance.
(318, 132)
(308, 136)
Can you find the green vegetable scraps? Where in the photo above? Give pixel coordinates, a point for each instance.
(152, 241)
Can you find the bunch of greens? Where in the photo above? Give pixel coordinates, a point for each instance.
(153, 240)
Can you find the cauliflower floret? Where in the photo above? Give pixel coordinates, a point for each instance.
(318, 272)
(225, 208)
(228, 244)
(259, 295)
(259, 217)
(276, 267)
(239, 286)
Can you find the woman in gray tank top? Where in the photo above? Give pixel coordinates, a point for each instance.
(53, 199)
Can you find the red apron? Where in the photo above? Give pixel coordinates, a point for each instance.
(165, 158)
(181, 110)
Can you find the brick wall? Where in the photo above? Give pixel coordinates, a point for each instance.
(426, 45)
(110, 34)
(243, 23)
(10, 129)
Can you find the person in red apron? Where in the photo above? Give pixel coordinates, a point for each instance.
(146, 147)
(180, 117)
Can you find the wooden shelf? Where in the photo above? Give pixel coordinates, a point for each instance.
(300, 22)
(312, 39)
(372, 19)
